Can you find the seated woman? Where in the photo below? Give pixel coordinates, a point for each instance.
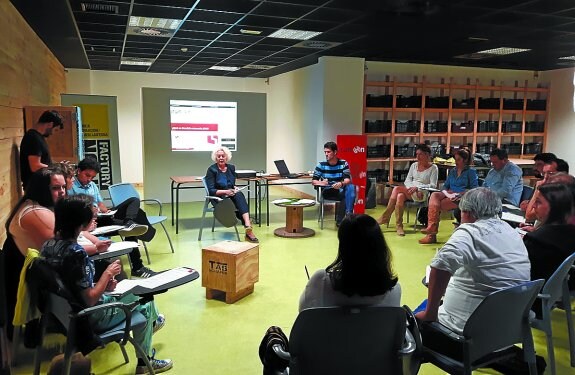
(221, 182)
(459, 180)
(360, 275)
(422, 174)
(72, 215)
(554, 239)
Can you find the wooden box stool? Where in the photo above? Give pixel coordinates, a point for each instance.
(230, 268)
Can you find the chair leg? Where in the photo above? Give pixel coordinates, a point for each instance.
(15, 344)
(123, 349)
(237, 233)
(168, 236)
(549, 338)
(140, 354)
(322, 211)
(213, 223)
(146, 249)
(202, 223)
(570, 328)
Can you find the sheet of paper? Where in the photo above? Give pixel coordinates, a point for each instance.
(106, 229)
(116, 246)
(125, 286)
(510, 206)
(165, 277)
(427, 273)
(507, 216)
(305, 201)
(281, 201)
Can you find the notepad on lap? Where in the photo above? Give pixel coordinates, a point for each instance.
(507, 216)
(106, 229)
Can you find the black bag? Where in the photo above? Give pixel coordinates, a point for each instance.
(422, 216)
(273, 364)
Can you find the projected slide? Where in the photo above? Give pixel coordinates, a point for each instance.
(203, 125)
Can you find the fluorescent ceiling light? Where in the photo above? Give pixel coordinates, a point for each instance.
(503, 51)
(294, 34)
(250, 32)
(136, 61)
(226, 68)
(162, 23)
(259, 66)
(567, 58)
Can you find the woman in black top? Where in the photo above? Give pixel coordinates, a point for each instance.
(221, 182)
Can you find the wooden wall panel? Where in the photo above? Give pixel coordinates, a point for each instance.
(29, 75)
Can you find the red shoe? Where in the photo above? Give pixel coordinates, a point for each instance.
(250, 236)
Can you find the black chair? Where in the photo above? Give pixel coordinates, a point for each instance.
(349, 340)
(223, 210)
(62, 314)
(500, 320)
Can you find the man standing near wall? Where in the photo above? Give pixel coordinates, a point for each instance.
(34, 151)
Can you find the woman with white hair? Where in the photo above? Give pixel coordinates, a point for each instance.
(221, 182)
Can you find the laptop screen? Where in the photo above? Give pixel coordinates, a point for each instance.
(282, 167)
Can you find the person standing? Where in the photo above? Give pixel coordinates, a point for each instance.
(334, 178)
(34, 151)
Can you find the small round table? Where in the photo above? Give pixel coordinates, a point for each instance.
(294, 218)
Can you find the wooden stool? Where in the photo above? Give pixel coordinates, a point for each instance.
(231, 269)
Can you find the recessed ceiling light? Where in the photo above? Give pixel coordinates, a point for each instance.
(316, 44)
(162, 23)
(226, 68)
(294, 34)
(184, 49)
(137, 61)
(567, 58)
(503, 51)
(250, 32)
(477, 39)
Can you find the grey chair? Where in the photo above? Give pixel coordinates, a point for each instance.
(349, 340)
(58, 305)
(223, 210)
(555, 290)
(500, 320)
(322, 201)
(122, 191)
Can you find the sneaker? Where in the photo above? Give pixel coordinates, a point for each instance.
(159, 365)
(133, 230)
(159, 323)
(143, 272)
(250, 236)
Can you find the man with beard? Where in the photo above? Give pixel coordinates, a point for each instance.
(34, 151)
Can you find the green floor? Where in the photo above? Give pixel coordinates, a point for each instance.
(211, 337)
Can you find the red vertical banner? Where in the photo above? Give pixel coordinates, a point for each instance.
(353, 148)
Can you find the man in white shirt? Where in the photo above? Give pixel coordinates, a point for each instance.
(483, 255)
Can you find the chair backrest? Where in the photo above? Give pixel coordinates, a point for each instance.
(501, 319)
(553, 286)
(527, 193)
(224, 211)
(121, 192)
(347, 340)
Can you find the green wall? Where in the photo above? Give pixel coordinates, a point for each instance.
(160, 162)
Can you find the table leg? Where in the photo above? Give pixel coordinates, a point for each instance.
(172, 200)
(268, 203)
(294, 219)
(177, 207)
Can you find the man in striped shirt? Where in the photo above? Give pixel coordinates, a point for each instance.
(334, 178)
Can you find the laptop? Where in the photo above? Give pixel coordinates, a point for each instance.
(284, 171)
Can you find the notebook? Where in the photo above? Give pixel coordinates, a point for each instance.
(284, 171)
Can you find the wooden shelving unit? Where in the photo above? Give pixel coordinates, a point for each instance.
(520, 119)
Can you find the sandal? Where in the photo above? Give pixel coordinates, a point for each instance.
(250, 236)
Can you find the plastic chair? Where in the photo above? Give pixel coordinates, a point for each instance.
(349, 340)
(321, 206)
(224, 211)
(500, 320)
(57, 306)
(419, 206)
(120, 192)
(555, 290)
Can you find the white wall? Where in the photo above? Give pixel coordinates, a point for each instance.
(126, 86)
(561, 132)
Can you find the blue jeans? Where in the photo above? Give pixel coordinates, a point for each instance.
(346, 197)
